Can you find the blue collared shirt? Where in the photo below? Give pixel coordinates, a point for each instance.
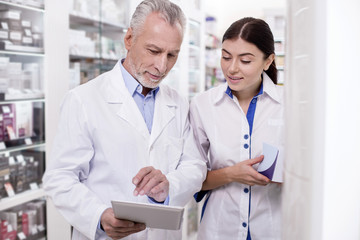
(146, 104)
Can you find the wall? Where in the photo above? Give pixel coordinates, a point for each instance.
(232, 10)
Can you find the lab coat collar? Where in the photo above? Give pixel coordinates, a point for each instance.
(165, 107)
(114, 89)
(268, 87)
(115, 92)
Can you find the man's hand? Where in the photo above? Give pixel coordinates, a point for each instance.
(116, 228)
(151, 182)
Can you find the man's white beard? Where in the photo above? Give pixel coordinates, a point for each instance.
(151, 83)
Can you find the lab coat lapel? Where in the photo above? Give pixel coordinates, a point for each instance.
(115, 92)
(164, 113)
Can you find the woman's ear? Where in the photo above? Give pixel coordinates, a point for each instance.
(268, 61)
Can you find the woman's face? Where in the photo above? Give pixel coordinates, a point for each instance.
(242, 64)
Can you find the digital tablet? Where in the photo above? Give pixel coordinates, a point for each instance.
(152, 215)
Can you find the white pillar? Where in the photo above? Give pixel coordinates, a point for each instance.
(57, 84)
(321, 198)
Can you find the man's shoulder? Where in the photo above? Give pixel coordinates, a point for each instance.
(91, 85)
(171, 93)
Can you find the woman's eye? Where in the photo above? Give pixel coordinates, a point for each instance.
(226, 58)
(245, 62)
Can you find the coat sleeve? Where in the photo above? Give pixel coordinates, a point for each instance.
(200, 135)
(70, 163)
(190, 172)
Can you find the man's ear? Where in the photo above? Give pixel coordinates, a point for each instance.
(128, 39)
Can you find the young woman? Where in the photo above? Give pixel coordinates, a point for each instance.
(231, 122)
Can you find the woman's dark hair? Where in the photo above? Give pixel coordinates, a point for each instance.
(257, 32)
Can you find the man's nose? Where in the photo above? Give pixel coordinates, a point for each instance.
(161, 63)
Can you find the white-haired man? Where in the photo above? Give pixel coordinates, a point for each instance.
(122, 136)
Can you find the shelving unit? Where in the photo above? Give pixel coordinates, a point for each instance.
(213, 73)
(276, 20)
(100, 38)
(22, 113)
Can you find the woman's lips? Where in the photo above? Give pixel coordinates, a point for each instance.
(233, 79)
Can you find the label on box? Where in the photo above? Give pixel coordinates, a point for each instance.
(15, 36)
(2, 146)
(10, 14)
(6, 109)
(20, 158)
(27, 32)
(27, 40)
(25, 23)
(9, 189)
(21, 236)
(4, 35)
(4, 25)
(28, 141)
(12, 160)
(11, 132)
(41, 228)
(34, 186)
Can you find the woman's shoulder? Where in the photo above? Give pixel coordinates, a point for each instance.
(210, 94)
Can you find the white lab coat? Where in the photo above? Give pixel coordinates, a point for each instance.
(220, 126)
(101, 144)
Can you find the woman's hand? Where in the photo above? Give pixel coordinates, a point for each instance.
(243, 172)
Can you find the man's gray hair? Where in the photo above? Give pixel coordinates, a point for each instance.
(171, 12)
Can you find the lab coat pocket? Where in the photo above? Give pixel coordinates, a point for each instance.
(174, 148)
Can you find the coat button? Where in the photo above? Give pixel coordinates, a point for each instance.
(246, 136)
(246, 190)
(246, 146)
(244, 224)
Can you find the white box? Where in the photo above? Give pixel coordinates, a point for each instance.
(10, 14)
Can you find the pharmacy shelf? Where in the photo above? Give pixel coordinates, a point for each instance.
(21, 198)
(21, 49)
(82, 57)
(30, 54)
(21, 147)
(93, 23)
(10, 4)
(22, 97)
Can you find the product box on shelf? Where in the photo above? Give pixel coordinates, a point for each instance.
(6, 231)
(10, 14)
(21, 171)
(26, 221)
(8, 122)
(4, 175)
(24, 119)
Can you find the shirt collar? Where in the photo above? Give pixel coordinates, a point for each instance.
(267, 86)
(131, 84)
(230, 94)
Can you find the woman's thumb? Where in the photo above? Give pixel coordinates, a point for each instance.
(256, 160)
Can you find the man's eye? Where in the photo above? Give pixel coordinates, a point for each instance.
(153, 51)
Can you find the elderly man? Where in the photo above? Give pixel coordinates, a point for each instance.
(123, 136)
